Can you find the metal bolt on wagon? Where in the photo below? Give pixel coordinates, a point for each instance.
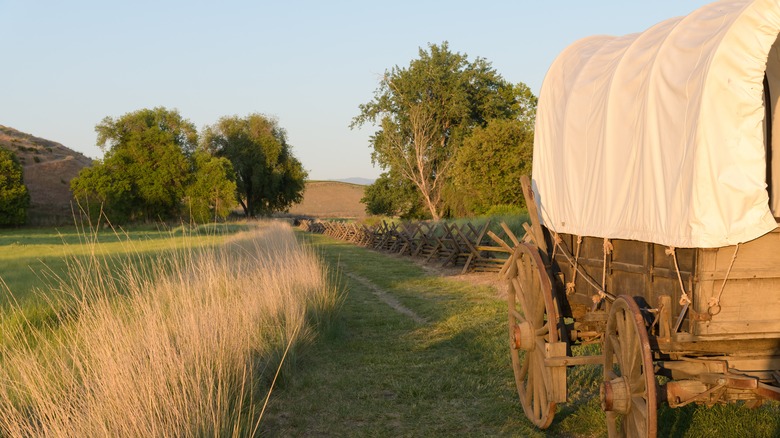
(654, 202)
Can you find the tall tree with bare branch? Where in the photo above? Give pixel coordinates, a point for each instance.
(425, 111)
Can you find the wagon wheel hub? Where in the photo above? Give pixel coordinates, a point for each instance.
(615, 396)
(524, 337)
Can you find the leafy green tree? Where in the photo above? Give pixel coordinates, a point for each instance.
(14, 197)
(390, 195)
(268, 176)
(491, 162)
(146, 165)
(525, 105)
(212, 192)
(103, 188)
(425, 111)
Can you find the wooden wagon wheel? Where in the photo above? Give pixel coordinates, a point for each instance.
(628, 394)
(532, 323)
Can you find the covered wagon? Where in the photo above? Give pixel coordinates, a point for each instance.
(654, 203)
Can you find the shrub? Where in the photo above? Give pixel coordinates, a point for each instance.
(14, 197)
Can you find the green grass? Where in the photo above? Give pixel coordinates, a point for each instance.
(379, 373)
(185, 346)
(35, 263)
(30, 257)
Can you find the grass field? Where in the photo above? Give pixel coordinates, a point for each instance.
(382, 372)
(158, 335)
(186, 346)
(33, 257)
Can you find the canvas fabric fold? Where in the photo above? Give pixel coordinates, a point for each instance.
(659, 136)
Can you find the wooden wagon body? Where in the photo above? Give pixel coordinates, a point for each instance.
(654, 205)
(743, 280)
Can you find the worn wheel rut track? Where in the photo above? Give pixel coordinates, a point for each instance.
(387, 298)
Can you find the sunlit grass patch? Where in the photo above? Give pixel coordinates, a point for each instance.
(184, 343)
(29, 258)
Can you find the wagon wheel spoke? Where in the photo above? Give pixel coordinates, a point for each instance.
(531, 298)
(528, 395)
(638, 386)
(517, 306)
(518, 316)
(532, 323)
(626, 347)
(533, 393)
(540, 388)
(614, 342)
(612, 424)
(640, 404)
(523, 372)
(628, 394)
(526, 293)
(637, 424)
(633, 355)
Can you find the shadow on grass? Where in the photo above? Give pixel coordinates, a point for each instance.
(72, 235)
(675, 422)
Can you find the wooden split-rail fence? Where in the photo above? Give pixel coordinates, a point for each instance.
(475, 248)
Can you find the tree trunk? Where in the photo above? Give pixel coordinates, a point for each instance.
(243, 205)
(432, 208)
(250, 204)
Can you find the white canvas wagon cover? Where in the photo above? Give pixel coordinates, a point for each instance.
(659, 136)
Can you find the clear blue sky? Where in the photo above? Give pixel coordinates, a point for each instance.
(67, 65)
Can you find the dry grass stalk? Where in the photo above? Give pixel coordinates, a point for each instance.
(182, 347)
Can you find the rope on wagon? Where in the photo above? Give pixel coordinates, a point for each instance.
(556, 243)
(570, 286)
(714, 302)
(684, 298)
(601, 292)
(608, 248)
(585, 275)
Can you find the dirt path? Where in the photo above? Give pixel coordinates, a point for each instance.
(411, 353)
(387, 298)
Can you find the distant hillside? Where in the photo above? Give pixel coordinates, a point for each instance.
(357, 180)
(331, 199)
(48, 169)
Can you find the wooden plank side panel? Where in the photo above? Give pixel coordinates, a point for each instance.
(640, 269)
(564, 272)
(628, 251)
(759, 258)
(750, 301)
(750, 295)
(747, 306)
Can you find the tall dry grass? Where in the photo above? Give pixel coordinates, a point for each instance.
(185, 346)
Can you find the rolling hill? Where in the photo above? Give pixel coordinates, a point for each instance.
(331, 199)
(49, 166)
(48, 169)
